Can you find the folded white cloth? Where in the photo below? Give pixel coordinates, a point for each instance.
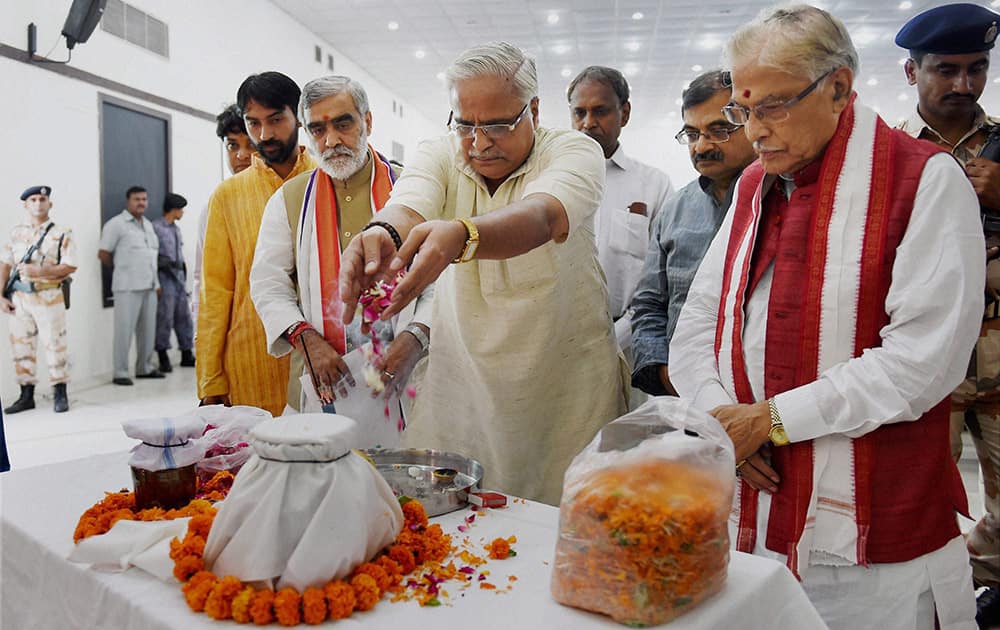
(304, 509)
(166, 442)
(142, 544)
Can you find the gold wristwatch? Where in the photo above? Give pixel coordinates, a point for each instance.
(471, 243)
(777, 434)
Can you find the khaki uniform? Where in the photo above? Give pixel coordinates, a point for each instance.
(39, 310)
(976, 402)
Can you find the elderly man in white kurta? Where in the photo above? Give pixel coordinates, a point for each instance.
(523, 367)
(828, 323)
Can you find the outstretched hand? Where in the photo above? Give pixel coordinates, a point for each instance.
(363, 264)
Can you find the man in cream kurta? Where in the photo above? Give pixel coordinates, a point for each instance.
(523, 368)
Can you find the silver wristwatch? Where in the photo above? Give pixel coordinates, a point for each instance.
(420, 335)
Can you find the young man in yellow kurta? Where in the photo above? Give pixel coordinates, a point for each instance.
(233, 364)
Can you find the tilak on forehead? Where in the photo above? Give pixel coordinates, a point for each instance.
(746, 93)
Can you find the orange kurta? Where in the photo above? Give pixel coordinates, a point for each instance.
(231, 347)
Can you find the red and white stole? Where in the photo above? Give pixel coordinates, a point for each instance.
(318, 254)
(826, 306)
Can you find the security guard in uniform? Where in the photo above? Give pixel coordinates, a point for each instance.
(949, 63)
(38, 258)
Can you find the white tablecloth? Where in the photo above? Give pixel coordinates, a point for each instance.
(40, 506)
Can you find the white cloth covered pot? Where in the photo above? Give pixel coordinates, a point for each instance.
(304, 509)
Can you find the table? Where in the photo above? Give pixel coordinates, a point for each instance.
(39, 508)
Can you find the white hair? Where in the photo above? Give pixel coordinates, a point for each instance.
(325, 87)
(799, 39)
(497, 59)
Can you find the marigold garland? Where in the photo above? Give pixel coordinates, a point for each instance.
(228, 598)
(120, 506)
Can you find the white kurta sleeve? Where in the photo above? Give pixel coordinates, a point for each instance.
(935, 307)
(571, 169)
(694, 371)
(271, 287)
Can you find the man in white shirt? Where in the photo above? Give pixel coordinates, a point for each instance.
(830, 319)
(634, 192)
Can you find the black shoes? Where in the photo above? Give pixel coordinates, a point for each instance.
(24, 402)
(153, 374)
(122, 380)
(61, 400)
(165, 361)
(988, 608)
(187, 358)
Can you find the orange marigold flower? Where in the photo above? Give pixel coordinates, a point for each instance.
(403, 556)
(286, 607)
(340, 599)
(499, 549)
(313, 606)
(201, 524)
(365, 591)
(187, 566)
(378, 574)
(150, 514)
(197, 595)
(241, 605)
(392, 569)
(414, 514)
(219, 604)
(262, 607)
(198, 578)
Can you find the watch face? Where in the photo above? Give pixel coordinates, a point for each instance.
(778, 436)
(470, 250)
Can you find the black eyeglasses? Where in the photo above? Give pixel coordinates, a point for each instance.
(769, 112)
(715, 134)
(495, 131)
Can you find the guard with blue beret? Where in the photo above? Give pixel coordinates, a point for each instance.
(35, 268)
(949, 64)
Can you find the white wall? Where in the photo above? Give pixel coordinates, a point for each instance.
(51, 135)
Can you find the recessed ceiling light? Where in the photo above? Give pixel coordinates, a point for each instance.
(995, 4)
(696, 68)
(439, 76)
(678, 101)
(873, 81)
(672, 114)
(553, 18)
(419, 54)
(905, 5)
(902, 61)
(633, 46)
(638, 15)
(566, 72)
(878, 110)
(903, 96)
(560, 49)
(997, 80)
(631, 69)
(393, 26)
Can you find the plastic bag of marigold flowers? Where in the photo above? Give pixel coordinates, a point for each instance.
(642, 524)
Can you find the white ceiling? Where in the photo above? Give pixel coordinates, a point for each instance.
(659, 44)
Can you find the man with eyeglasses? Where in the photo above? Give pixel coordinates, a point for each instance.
(684, 228)
(306, 225)
(524, 367)
(633, 192)
(949, 63)
(232, 362)
(831, 317)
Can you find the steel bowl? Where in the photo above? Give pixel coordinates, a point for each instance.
(441, 481)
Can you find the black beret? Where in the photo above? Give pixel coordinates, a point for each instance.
(954, 29)
(36, 190)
